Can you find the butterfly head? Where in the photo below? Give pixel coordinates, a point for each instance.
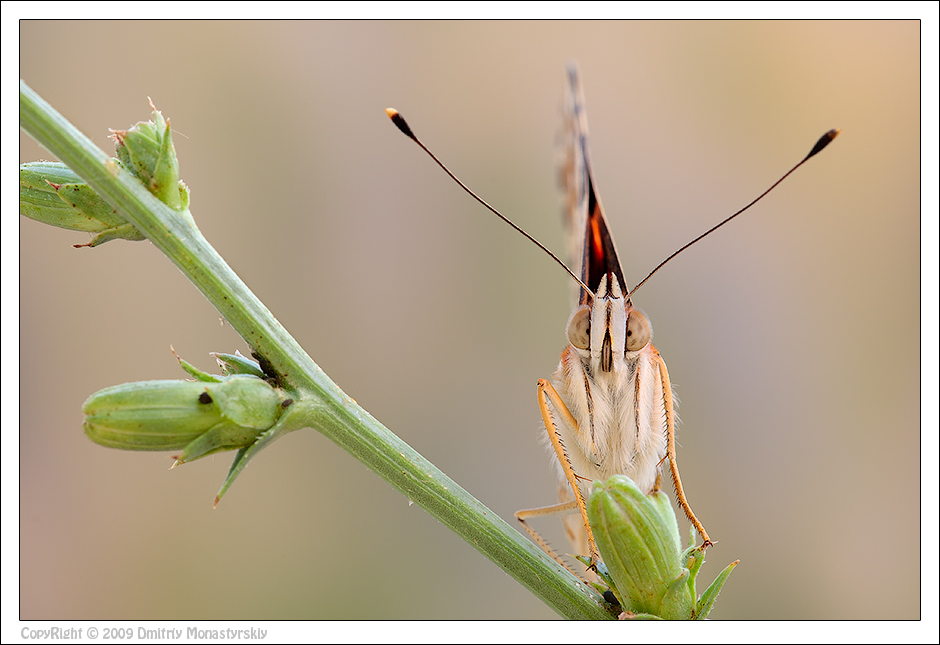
(608, 329)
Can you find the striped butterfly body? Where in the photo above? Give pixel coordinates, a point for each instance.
(609, 374)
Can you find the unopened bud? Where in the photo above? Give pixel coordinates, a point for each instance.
(638, 540)
(198, 417)
(52, 194)
(147, 151)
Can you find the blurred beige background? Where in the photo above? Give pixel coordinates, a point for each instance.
(791, 336)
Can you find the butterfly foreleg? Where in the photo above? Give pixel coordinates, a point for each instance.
(554, 412)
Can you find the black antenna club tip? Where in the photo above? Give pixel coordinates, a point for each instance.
(399, 122)
(824, 141)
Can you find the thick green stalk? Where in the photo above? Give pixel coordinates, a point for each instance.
(328, 409)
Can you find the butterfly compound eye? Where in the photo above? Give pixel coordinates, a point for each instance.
(639, 331)
(579, 327)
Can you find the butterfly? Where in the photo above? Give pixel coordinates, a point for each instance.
(609, 408)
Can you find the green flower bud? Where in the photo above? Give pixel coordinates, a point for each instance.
(147, 151)
(198, 417)
(52, 194)
(638, 540)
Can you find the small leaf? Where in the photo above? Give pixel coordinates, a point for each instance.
(238, 364)
(707, 601)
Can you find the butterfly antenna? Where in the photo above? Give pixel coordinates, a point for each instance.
(824, 140)
(402, 125)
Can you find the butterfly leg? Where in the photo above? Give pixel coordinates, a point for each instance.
(671, 452)
(659, 483)
(549, 401)
(546, 511)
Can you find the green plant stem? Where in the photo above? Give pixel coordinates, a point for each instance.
(332, 412)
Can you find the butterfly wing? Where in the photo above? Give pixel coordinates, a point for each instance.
(590, 246)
